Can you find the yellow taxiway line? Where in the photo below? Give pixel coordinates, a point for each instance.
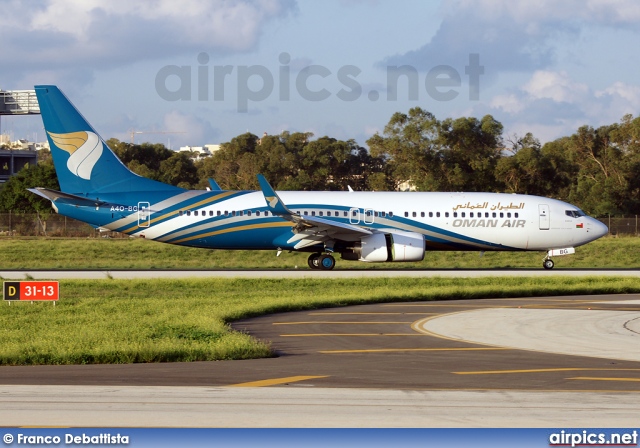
(391, 350)
(276, 381)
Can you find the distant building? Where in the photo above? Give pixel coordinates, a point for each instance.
(197, 152)
(212, 148)
(12, 161)
(23, 144)
(407, 185)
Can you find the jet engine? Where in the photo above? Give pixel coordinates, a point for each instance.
(393, 246)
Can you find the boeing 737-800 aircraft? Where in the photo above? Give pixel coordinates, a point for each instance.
(99, 189)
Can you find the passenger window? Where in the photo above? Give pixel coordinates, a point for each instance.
(313, 213)
(509, 215)
(391, 214)
(218, 213)
(501, 215)
(486, 214)
(210, 212)
(258, 213)
(493, 214)
(320, 213)
(266, 213)
(345, 213)
(383, 214)
(463, 214)
(354, 213)
(195, 213)
(471, 215)
(226, 213)
(241, 213)
(249, 213)
(437, 214)
(180, 212)
(188, 212)
(306, 213)
(430, 214)
(455, 214)
(516, 215)
(406, 214)
(422, 214)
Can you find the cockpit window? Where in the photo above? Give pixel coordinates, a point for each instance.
(575, 213)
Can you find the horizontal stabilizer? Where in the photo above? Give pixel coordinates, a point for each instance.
(65, 198)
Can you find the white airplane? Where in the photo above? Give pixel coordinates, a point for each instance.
(365, 226)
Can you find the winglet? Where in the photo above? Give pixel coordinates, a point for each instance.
(214, 185)
(274, 202)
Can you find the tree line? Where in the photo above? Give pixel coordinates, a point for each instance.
(597, 169)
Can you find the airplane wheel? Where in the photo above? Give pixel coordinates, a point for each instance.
(327, 262)
(314, 261)
(548, 264)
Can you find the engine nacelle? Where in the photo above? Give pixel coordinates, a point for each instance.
(379, 247)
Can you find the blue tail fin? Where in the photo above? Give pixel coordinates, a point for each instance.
(84, 163)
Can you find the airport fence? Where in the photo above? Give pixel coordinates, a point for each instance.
(34, 224)
(621, 226)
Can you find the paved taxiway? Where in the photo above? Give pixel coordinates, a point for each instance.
(307, 273)
(395, 364)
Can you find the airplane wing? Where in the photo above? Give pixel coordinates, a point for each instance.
(309, 231)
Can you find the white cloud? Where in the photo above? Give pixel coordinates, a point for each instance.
(196, 131)
(557, 86)
(531, 14)
(230, 25)
(552, 104)
(631, 94)
(515, 36)
(509, 103)
(71, 35)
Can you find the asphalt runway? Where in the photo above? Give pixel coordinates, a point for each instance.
(396, 364)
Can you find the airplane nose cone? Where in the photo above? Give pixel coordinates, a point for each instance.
(598, 229)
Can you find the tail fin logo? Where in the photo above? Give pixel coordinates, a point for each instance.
(273, 201)
(85, 148)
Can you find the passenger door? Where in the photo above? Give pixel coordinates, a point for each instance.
(545, 219)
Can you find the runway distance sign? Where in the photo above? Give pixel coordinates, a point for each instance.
(31, 290)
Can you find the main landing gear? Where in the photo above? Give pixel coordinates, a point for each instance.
(324, 262)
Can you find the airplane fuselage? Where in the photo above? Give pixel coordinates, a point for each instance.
(242, 220)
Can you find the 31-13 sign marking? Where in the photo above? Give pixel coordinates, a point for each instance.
(31, 290)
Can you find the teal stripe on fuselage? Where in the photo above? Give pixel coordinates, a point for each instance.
(193, 203)
(441, 236)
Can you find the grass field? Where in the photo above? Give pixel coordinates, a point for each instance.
(126, 321)
(100, 253)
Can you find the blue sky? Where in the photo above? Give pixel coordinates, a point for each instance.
(547, 67)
